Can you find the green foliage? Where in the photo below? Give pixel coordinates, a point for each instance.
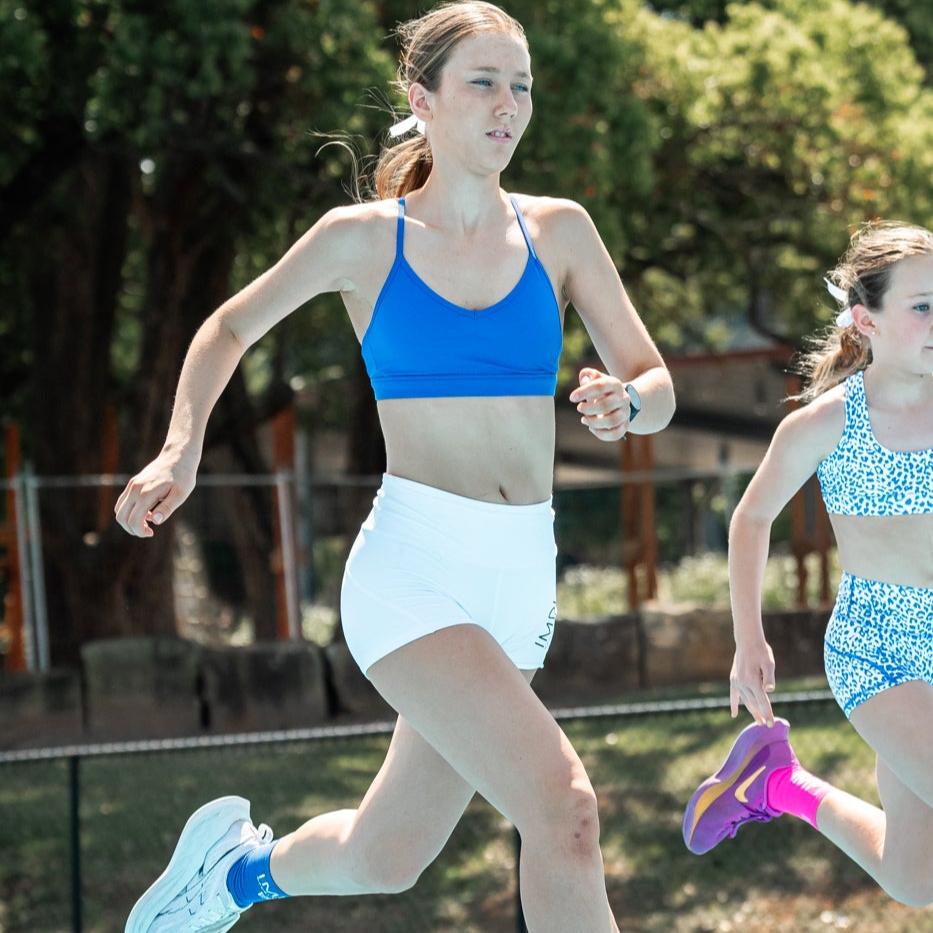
(24, 72)
(724, 150)
(171, 70)
(784, 129)
(704, 581)
(586, 592)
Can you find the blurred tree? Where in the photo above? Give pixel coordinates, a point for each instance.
(148, 146)
(155, 159)
(916, 18)
(773, 133)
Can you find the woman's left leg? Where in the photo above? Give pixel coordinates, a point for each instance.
(893, 844)
(384, 844)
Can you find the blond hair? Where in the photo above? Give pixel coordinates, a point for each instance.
(427, 43)
(864, 274)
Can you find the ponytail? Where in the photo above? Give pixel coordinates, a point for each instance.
(831, 360)
(862, 276)
(403, 168)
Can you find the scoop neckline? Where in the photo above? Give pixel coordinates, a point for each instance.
(462, 309)
(871, 430)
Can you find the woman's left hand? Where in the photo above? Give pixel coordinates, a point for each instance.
(603, 403)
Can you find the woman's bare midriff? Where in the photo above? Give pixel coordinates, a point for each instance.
(891, 548)
(493, 449)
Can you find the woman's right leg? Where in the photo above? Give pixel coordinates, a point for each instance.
(461, 692)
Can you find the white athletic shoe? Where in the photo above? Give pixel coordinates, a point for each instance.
(191, 894)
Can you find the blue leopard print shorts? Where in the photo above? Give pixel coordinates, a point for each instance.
(879, 635)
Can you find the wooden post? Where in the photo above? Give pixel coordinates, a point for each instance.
(109, 463)
(649, 536)
(639, 535)
(823, 543)
(630, 537)
(15, 659)
(800, 545)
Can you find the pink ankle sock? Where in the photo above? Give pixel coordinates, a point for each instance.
(794, 790)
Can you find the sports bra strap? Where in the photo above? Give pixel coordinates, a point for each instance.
(400, 228)
(521, 223)
(856, 404)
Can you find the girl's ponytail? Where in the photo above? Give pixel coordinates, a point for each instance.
(863, 276)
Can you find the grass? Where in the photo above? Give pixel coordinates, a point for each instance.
(775, 877)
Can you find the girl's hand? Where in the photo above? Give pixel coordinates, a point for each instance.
(751, 680)
(154, 493)
(603, 403)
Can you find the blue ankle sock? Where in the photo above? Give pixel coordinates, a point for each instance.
(250, 880)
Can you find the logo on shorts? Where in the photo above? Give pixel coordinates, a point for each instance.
(542, 640)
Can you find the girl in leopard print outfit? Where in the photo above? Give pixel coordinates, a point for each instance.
(867, 433)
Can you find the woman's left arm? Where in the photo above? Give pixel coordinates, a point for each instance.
(591, 282)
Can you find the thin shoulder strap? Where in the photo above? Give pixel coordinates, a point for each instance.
(856, 403)
(400, 228)
(521, 223)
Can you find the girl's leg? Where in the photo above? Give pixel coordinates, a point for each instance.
(898, 724)
(461, 692)
(399, 828)
(894, 844)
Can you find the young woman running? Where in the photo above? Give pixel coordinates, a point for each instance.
(456, 291)
(868, 435)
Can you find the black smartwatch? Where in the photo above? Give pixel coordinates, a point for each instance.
(634, 400)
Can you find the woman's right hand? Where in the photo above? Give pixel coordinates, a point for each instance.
(752, 679)
(154, 493)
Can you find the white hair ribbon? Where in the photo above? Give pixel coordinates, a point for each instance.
(403, 126)
(844, 317)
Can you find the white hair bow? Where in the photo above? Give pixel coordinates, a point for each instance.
(403, 126)
(844, 317)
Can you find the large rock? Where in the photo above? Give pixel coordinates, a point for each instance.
(356, 697)
(138, 688)
(694, 645)
(687, 646)
(38, 710)
(271, 685)
(796, 637)
(590, 661)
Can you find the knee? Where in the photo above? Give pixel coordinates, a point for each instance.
(385, 871)
(569, 823)
(912, 891)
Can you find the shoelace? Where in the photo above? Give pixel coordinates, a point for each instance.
(211, 914)
(754, 815)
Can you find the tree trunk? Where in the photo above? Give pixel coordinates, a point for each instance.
(93, 573)
(191, 261)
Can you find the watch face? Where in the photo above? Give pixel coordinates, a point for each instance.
(634, 397)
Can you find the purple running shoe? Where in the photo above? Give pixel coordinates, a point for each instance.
(737, 792)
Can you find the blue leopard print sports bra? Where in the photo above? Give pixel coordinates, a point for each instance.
(863, 477)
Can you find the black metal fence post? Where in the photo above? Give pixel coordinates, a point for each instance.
(74, 793)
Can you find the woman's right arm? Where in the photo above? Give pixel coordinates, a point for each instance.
(321, 261)
(802, 439)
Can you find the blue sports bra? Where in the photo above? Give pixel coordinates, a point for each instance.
(862, 477)
(420, 345)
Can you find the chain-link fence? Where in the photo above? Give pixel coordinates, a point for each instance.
(83, 831)
(260, 557)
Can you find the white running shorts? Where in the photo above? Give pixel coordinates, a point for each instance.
(426, 559)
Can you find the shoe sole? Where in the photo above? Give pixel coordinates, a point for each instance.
(714, 787)
(204, 827)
